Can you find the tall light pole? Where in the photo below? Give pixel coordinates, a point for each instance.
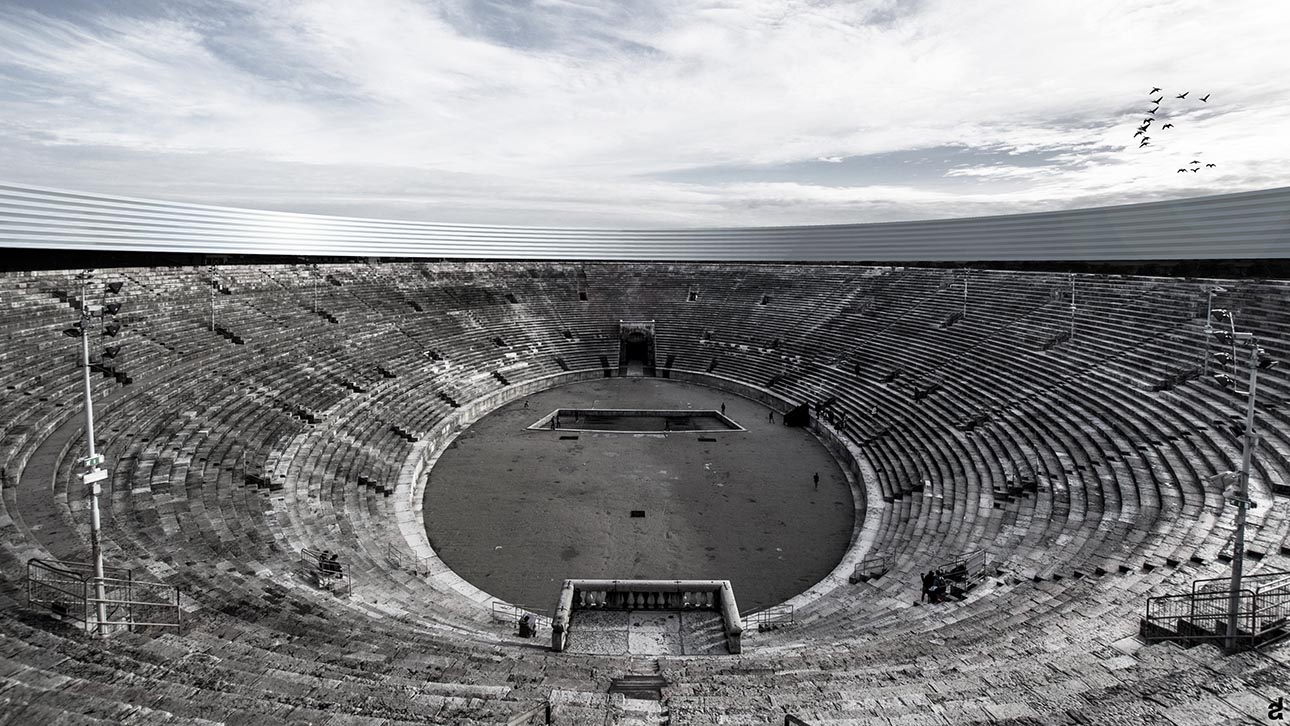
(967, 272)
(213, 286)
(1072, 305)
(94, 474)
(1236, 485)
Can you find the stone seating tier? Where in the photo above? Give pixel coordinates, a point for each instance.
(1087, 488)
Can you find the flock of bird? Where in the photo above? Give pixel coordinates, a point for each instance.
(1195, 164)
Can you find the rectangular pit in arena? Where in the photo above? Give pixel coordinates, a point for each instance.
(635, 421)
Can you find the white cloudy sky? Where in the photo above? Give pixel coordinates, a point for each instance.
(645, 113)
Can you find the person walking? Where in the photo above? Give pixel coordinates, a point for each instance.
(723, 408)
(771, 417)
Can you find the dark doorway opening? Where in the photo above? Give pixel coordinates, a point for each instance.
(636, 349)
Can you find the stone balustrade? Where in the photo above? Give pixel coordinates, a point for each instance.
(647, 595)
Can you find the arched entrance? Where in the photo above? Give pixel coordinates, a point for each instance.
(636, 348)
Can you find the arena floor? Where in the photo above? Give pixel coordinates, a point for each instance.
(516, 511)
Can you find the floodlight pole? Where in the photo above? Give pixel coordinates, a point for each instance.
(1242, 501)
(91, 476)
(214, 283)
(1072, 278)
(967, 272)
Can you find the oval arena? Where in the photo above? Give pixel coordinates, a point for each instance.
(344, 472)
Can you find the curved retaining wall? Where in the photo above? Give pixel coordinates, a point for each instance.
(409, 495)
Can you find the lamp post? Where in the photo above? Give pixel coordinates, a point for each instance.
(1236, 485)
(1072, 278)
(93, 474)
(1241, 496)
(213, 285)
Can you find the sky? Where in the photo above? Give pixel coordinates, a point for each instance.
(646, 113)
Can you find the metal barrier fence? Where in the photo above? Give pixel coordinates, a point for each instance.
(512, 613)
(1262, 615)
(875, 566)
(69, 590)
(407, 561)
(773, 617)
(1195, 618)
(1224, 584)
(328, 571)
(970, 566)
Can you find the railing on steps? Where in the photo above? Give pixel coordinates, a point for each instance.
(407, 561)
(1202, 616)
(328, 571)
(71, 592)
(870, 568)
(779, 616)
(512, 614)
(969, 567)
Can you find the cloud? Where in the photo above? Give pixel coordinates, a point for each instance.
(568, 112)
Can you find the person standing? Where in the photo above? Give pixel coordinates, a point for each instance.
(816, 477)
(723, 408)
(771, 417)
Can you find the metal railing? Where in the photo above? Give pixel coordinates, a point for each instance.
(874, 566)
(778, 616)
(1224, 584)
(407, 561)
(507, 612)
(329, 572)
(1263, 614)
(968, 567)
(70, 591)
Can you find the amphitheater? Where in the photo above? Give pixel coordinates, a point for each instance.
(259, 409)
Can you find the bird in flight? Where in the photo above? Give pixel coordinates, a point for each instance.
(1195, 170)
(1183, 94)
(1140, 133)
(1209, 166)
(1154, 90)
(1157, 100)
(1144, 142)
(1194, 161)
(1167, 126)
(1180, 171)
(1205, 98)
(1153, 111)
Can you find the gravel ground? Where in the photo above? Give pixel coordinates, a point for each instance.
(515, 511)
